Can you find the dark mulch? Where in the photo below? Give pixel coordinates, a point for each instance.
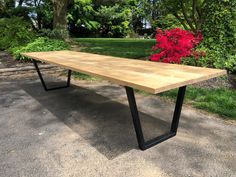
(7, 61)
(215, 83)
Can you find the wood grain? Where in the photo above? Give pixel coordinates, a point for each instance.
(152, 77)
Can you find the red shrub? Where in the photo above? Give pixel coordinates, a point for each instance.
(174, 44)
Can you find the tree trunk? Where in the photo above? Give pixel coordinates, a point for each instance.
(59, 17)
(186, 16)
(181, 21)
(20, 3)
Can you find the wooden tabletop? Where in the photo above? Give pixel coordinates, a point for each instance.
(152, 77)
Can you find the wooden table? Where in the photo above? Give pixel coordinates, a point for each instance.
(151, 77)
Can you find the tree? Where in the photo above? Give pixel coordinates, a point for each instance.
(60, 26)
(150, 10)
(188, 12)
(114, 20)
(81, 17)
(145, 14)
(59, 14)
(6, 7)
(39, 11)
(98, 3)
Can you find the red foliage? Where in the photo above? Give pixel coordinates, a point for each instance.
(174, 44)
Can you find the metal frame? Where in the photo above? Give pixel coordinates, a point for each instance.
(143, 145)
(43, 83)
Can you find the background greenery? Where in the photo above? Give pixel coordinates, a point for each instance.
(15, 32)
(21, 21)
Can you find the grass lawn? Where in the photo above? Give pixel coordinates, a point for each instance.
(128, 48)
(220, 101)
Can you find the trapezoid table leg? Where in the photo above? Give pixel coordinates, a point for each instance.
(143, 145)
(44, 84)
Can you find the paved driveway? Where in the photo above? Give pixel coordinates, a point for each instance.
(86, 130)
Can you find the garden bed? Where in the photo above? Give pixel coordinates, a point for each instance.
(7, 61)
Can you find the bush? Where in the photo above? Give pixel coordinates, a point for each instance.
(54, 34)
(230, 65)
(114, 20)
(15, 32)
(38, 45)
(175, 44)
(219, 31)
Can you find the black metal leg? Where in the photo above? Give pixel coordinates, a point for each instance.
(42, 80)
(143, 145)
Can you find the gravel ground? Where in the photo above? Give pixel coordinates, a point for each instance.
(87, 131)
